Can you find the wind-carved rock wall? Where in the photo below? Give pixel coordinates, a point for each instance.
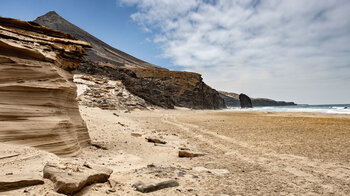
(38, 104)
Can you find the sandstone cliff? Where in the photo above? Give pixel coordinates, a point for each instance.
(37, 93)
(232, 100)
(156, 85)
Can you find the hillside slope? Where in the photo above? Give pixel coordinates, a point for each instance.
(100, 52)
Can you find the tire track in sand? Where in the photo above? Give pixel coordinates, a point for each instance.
(301, 171)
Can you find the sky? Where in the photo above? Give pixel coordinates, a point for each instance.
(291, 50)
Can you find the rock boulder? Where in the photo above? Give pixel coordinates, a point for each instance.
(245, 101)
(70, 178)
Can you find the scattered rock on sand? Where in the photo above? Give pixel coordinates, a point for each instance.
(189, 153)
(164, 145)
(136, 134)
(11, 182)
(155, 140)
(150, 187)
(70, 178)
(99, 146)
(219, 172)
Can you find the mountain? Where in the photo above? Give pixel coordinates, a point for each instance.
(232, 100)
(156, 85)
(100, 51)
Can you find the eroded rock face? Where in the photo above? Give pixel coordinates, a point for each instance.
(37, 93)
(106, 94)
(161, 87)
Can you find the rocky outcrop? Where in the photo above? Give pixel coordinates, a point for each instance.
(270, 102)
(155, 85)
(159, 87)
(245, 101)
(98, 91)
(232, 100)
(37, 93)
(11, 182)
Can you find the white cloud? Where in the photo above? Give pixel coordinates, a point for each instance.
(293, 50)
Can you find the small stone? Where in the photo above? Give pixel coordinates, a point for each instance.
(112, 190)
(136, 134)
(121, 124)
(156, 140)
(99, 146)
(146, 188)
(151, 165)
(188, 153)
(181, 174)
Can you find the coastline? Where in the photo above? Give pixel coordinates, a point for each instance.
(302, 108)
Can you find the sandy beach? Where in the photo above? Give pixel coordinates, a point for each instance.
(246, 153)
(174, 98)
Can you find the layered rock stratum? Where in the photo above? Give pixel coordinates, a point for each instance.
(156, 85)
(38, 104)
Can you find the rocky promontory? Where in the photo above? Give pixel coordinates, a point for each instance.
(38, 104)
(153, 84)
(161, 87)
(232, 100)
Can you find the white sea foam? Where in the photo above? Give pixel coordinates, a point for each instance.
(336, 109)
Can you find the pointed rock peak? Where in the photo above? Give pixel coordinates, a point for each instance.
(51, 13)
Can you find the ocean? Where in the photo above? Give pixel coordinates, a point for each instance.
(332, 109)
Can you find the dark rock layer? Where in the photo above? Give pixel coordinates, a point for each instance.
(163, 88)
